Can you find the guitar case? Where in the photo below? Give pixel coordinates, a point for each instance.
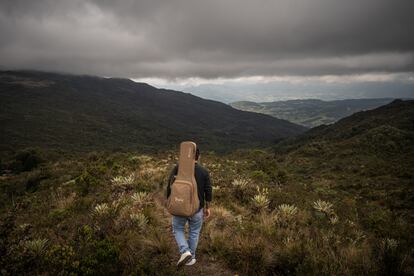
(183, 199)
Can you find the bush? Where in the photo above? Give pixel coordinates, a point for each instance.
(34, 178)
(389, 257)
(86, 182)
(26, 160)
(97, 256)
(286, 261)
(61, 259)
(101, 258)
(248, 255)
(57, 215)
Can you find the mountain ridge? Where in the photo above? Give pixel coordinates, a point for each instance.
(89, 112)
(399, 115)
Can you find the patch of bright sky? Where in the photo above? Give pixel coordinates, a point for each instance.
(329, 79)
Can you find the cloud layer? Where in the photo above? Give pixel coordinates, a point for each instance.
(208, 39)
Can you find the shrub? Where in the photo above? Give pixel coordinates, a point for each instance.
(286, 260)
(124, 182)
(242, 190)
(221, 218)
(323, 207)
(260, 175)
(261, 199)
(240, 183)
(36, 247)
(100, 258)
(101, 210)
(26, 160)
(287, 210)
(139, 220)
(104, 215)
(86, 182)
(57, 214)
(62, 259)
(248, 254)
(139, 198)
(157, 242)
(390, 259)
(33, 179)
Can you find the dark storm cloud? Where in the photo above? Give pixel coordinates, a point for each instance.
(208, 39)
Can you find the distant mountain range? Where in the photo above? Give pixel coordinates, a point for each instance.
(311, 112)
(282, 90)
(83, 113)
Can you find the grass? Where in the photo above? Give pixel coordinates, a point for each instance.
(98, 213)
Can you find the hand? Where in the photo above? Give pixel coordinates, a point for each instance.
(207, 212)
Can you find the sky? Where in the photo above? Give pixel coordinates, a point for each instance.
(226, 50)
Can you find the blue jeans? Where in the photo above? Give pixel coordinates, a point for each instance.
(194, 226)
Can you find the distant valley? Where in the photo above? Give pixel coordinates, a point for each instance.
(311, 112)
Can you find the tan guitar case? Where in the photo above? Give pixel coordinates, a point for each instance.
(183, 199)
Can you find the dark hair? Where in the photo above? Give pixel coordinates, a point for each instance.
(197, 154)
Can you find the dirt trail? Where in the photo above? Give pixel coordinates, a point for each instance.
(203, 265)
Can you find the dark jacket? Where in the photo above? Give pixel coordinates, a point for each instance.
(203, 183)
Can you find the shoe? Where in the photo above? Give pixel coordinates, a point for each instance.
(193, 261)
(185, 257)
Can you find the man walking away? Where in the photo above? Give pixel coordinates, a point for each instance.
(187, 247)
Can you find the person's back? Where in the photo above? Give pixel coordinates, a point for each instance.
(203, 183)
(187, 248)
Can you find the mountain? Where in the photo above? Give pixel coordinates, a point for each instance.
(393, 119)
(311, 112)
(369, 154)
(84, 113)
(282, 90)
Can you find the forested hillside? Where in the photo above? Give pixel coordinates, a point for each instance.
(83, 113)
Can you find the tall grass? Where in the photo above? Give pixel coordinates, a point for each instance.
(104, 219)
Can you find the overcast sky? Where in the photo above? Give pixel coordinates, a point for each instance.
(185, 44)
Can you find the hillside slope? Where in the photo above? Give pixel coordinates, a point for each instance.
(311, 112)
(369, 154)
(397, 115)
(337, 200)
(88, 113)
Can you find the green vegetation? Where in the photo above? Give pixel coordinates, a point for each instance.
(311, 112)
(272, 214)
(336, 200)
